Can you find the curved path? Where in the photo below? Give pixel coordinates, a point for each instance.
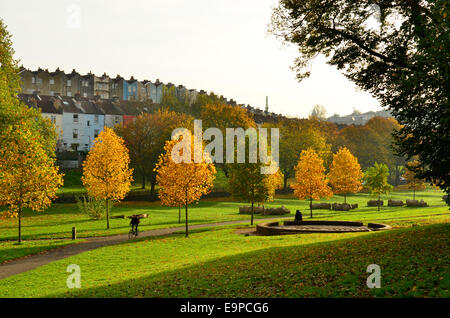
(27, 263)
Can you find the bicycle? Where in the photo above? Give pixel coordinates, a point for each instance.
(133, 234)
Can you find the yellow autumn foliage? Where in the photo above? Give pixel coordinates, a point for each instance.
(184, 182)
(310, 179)
(106, 174)
(28, 175)
(345, 173)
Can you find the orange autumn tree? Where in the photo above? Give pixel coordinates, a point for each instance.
(106, 172)
(310, 180)
(345, 173)
(28, 175)
(186, 181)
(412, 181)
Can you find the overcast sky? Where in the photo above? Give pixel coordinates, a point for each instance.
(215, 45)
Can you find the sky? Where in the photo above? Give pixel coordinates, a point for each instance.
(215, 45)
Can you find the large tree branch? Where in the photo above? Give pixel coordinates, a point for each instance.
(354, 39)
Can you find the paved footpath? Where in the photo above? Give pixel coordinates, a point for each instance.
(31, 262)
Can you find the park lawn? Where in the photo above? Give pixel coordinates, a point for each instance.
(58, 220)
(74, 186)
(221, 263)
(12, 250)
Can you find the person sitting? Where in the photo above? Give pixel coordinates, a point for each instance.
(135, 223)
(298, 216)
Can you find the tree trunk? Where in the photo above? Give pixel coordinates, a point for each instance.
(310, 206)
(379, 203)
(107, 214)
(20, 224)
(251, 220)
(225, 171)
(187, 229)
(152, 188)
(143, 180)
(285, 179)
(179, 214)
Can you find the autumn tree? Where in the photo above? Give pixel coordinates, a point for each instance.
(376, 179)
(226, 116)
(106, 174)
(311, 182)
(319, 112)
(249, 184)
(413, 182)
(145, 139)
(386, 128)
(345, 173)
(184, 180)
(28, 176)
(364, 143)
(295, 136)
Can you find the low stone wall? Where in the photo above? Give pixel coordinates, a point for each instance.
(395, 203)
(375, 203)
(344, 223)
(264, 211)
(416, 203)
(304, 227)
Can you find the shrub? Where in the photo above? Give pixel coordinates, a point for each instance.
(95, 209)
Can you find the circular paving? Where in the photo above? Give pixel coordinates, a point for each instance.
(295, 227)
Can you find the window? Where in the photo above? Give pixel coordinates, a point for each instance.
(95, 133)
(75, 134)
(33, 80)
(75, 118)
(129, 89)
(84, 94)
(52, 93)
(53, 118)
(69, 83)
(69, 93)
(117, 120)
(96, 119)
(52, 81)
(88, 123)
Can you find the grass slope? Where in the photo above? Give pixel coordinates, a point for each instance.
(414, 263)
(57, 221)
(219, 262)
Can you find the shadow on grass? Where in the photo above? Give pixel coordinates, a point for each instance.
(327, 269)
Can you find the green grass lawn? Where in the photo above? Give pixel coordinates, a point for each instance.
(221, 263)
(74, 186)
(57, 221)
(12, 250)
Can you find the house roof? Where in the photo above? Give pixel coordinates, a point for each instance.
(109, 107)
(47, 104)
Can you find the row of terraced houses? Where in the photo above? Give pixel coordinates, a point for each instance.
(80, 106)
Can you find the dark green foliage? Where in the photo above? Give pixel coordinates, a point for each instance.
(403, 62)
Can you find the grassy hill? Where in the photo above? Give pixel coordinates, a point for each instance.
(221, 263)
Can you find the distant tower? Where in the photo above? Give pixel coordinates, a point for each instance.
(267, 104)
